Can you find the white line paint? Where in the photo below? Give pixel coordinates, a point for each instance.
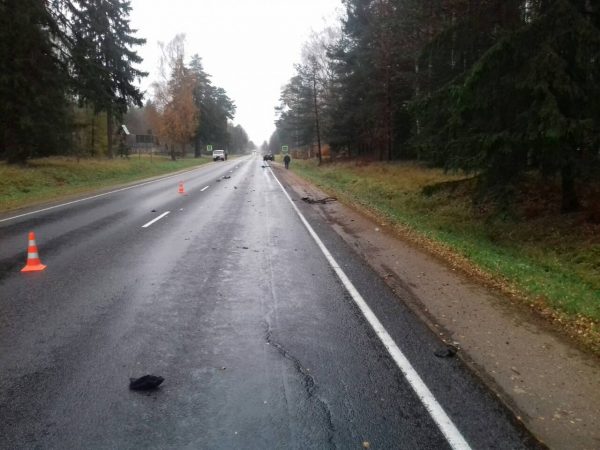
(93, 197)
(444, 423)
(204, 188)
(156, 220)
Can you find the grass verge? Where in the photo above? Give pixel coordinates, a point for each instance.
(53, 178)
(548, 260)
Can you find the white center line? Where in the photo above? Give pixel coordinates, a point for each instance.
(204, 188)
(156, 220)
(453, 436)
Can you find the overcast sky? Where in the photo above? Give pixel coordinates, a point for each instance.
(248, 46)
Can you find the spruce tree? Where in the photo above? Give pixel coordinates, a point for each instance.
(531, 101)
(103, 58)
(33, 82)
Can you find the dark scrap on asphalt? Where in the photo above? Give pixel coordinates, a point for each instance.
(145, 383)
(322, 201)
(447, 352)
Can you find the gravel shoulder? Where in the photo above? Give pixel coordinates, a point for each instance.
(552, 386)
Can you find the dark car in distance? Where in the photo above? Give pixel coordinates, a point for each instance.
(268, 157)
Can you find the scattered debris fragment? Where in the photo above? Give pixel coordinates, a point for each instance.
(226, 177)
(153, 210)
(322, 201)
(145, 383)
(447, 352)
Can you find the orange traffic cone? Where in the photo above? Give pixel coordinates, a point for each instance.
(33, 259)
(181, 189)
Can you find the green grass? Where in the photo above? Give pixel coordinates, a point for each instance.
(54, 178)
(550, 257)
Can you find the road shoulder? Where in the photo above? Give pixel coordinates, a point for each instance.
(549, 384)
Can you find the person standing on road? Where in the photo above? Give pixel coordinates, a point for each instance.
(286, 161)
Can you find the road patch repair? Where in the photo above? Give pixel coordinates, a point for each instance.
(550, 385)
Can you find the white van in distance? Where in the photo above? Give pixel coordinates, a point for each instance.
(219, 155)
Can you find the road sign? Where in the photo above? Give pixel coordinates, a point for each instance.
(209, 148)
(284, 149)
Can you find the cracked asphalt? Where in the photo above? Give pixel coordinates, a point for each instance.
(231, 301)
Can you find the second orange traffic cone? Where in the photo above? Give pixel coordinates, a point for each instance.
(33, 258)
(181, 189)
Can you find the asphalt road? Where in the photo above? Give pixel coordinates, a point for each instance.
(229, 298)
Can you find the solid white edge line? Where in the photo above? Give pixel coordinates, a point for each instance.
(155, 220)
(442, 420)
(204, 188)
(96, 196)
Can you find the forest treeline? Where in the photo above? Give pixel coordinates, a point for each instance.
(69, 77)
(494, 87)
(186, 108)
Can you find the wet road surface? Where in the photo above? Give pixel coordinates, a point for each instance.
(231, 300)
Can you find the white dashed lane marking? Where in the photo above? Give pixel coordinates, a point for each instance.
(156, 220)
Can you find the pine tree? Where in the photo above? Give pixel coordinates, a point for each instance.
(215, 109)
(355, 117)
(238, 139)
(296, 111)
(201, 93)
(376, 64)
